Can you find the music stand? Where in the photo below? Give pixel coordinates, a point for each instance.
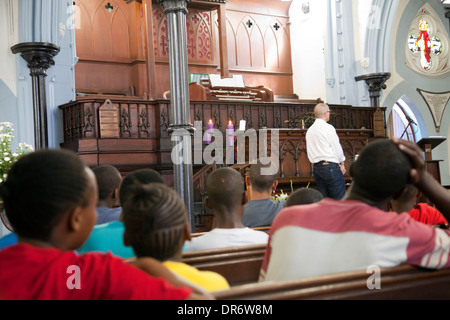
(427, 145)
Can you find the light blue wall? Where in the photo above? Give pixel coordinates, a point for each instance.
(40, 21)
(339, 54)
(413, 80)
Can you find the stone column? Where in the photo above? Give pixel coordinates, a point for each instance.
(375, 83)
(39, 57)
(180, 128)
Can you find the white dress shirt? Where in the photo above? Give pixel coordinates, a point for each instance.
(322, 143)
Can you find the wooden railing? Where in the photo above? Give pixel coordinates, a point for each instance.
(145, 119)
(133, 133)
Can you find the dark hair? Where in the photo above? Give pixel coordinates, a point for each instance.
(259, 182)
(155, 219)
(303, 196)
(143, 176)
(225, 188)
(381, 170)
(108, 179)
(40, 188)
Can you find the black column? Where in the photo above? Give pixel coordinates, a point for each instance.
(39, 57)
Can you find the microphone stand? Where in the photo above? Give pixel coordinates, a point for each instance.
(409, 123)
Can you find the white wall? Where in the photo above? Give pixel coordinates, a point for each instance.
(8, 80)
(307, 42)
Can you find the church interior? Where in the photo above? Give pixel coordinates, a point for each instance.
(104, 87)
(144, 83)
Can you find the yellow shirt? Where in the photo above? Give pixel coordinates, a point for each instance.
(209, 280)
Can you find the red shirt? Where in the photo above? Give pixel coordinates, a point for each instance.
(28, 272)
(425, 213)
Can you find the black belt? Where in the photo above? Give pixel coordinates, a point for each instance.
(324, 163)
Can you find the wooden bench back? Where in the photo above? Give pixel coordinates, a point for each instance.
(238, 265)
(401, 282)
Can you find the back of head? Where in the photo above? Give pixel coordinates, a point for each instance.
(320, 109)
(40, 188)
(143, 176)
(261, 182)
(381, 171)
(108, 179)
(225, 188)
(155, 220)
(303, 196)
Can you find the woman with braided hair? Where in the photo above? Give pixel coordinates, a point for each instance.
(156, 226)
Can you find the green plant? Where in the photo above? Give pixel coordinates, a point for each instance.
(282, 195)
(7, 156)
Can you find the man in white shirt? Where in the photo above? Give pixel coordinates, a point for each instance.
(325, 153)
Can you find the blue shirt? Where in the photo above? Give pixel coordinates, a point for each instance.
(8, 240)
(260, 213)
(105, 214)
(108, 237)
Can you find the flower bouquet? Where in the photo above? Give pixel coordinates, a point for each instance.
(7, 156)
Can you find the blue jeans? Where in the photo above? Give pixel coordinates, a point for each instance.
(330, 180)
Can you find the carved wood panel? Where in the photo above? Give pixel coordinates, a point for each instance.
(200, 41)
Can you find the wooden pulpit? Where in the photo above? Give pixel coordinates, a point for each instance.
(427, 145)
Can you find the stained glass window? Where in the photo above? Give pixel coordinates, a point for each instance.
(425, 45)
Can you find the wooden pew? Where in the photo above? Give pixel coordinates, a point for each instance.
(239, 265)
(265, 229)
(401, 282)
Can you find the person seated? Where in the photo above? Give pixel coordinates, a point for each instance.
(354, 233)
(226, 199)
(108, 182)
(108, 237)
(303, 196)
(420, 211)
(261, 209)
(50, 198)
(156, 226)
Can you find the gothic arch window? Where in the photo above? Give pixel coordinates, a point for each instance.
(427, 48)
(398, 124)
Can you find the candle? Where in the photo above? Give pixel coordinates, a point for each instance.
(208, 132)
(242, 125)
(230, 134)
(210, 125)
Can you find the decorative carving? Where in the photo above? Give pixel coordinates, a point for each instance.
(375, 83)
(164, 119)
(88, 123)
(144, 124)
(125, 122)
(436, 102)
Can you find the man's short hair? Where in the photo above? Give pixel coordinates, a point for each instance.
(108, 179)
(381, 170)
(225, 188)
(259, 182)
(303, 196)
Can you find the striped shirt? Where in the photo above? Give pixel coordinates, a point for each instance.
(334, 236)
